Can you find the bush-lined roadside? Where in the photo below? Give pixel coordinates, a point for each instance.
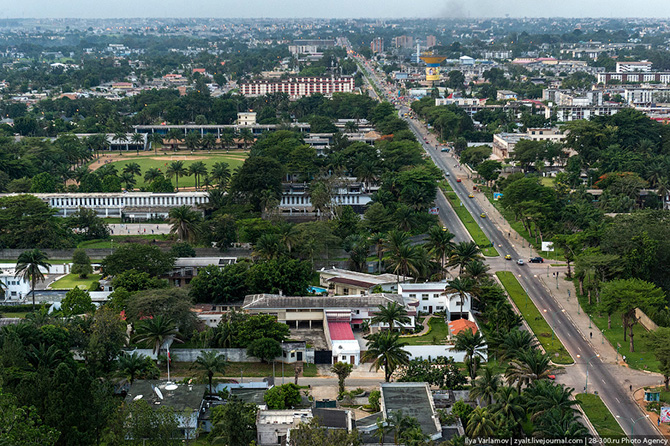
(600, 416)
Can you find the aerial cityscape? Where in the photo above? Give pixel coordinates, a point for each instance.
(423, 225)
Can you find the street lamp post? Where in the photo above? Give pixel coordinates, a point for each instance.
(588, 363)
(553, 321)
(590, 321)
(602, 336)
(632, 429)
(547, 270)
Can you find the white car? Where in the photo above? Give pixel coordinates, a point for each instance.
(519, 262)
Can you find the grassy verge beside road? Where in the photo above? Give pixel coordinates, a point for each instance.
(470, 224)
(642, 358)
(600, 416)
(543, 331)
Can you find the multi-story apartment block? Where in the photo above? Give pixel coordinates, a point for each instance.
(628, 67)
(297, 87)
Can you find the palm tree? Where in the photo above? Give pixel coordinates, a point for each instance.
(391, 314)
(480, 423)
(138, 140)
(121, 137)
(461, 286)
(192, 140)
(44, 358)
(151, 174)
(128, 179)
(377, 239)
(486, 385)
(528, 367)
(176, 169)
(440, 243)
(477, 270)
(474, 346)
(221, 174)
(247, 137)
(508, 405)
(268, 247)
(197, 169)
(464, 253)
(28, 267)
(543, 396)
(405, 261)
(383, 428)
(132, 366)
(208, 141)
(184, 221)
(555, 424)
(210, 362)
(342, 370)
(515, 342)
(386, 350)
(156, 331)
(227, 139)
(133, 168)
(175, 136)
(154, 140)
(350, 126)
(289, 235)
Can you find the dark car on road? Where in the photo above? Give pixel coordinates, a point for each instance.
(536, 260)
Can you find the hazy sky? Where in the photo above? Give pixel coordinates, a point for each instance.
(334, 8)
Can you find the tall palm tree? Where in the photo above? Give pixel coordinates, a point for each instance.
(555, 424)
(268, 247)
(515, 342)
(175, 137)
(391, 314)
(486, 385)
(28, 267)
(377, 239)
(247, 137)
(227, 139)
(176, 169)
(351, 126)
(528, 367)
(155, 139)
(208, 141)
(197, 169)
(151, 174)
(128, 179)
(386, 350)
(508, 405)
(138, 140)
(543, 396)
(289, 235)
(133, 168)
(192, 140)
(156, 331)
(463, 286)
(405, 261)
(221, 174)
(474, 346)
(210, 362)
(184, 222)
(132, 366)
(342, 370)
(440, 244)
(477, 271)
(44, 358)
(481, 423)
(122, 137)
(394, 240)
(464, 253)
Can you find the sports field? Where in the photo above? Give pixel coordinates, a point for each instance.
(161, 161)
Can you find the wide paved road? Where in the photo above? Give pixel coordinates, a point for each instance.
(616, 398)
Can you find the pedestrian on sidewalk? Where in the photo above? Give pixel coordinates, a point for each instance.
(591, 335)
(631, 387)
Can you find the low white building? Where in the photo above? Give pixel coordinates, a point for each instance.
(272, 426)
(343, 282)
(432, 299)
(15, 288)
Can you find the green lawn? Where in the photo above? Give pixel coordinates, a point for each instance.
(118, 239)
(161, 161)
(642, 358)
(438, 333)
(471, 225)
(72, 280)
(533, 317)
(601, 418)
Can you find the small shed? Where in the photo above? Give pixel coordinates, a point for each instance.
(652, 395)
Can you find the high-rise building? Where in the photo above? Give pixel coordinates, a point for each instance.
(297, 87)
(403, 42)
(431, 41)
(377, 45)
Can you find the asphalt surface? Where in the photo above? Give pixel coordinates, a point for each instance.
(601, 379)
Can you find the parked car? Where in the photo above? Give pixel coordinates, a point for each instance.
(536, 260)
(519, 262)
